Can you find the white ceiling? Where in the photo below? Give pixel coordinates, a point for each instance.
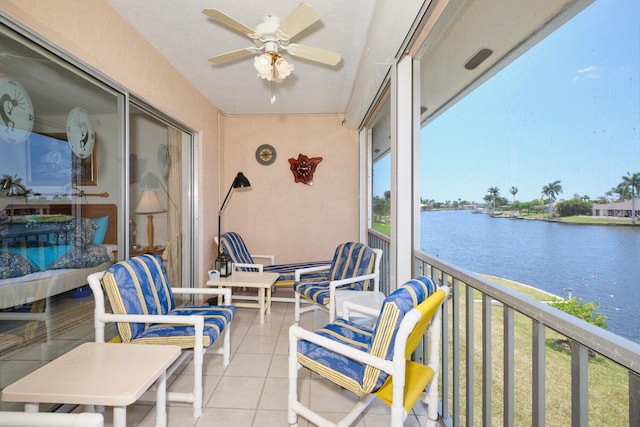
(186, 37)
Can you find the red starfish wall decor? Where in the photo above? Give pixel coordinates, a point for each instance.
(303, 168)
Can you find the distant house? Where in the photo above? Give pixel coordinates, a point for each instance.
(618, 209)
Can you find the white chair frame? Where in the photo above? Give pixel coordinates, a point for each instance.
(333, 286)
(195, 396)
(394, 367)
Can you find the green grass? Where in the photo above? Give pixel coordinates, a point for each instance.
(382, 227)
(594, 220)
(608, 383)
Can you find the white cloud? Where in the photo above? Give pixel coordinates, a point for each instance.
(590, 72)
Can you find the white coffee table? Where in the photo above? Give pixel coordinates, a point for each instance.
(249, 279)
(105, 374)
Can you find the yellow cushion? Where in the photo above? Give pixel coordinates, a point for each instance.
(417, 377)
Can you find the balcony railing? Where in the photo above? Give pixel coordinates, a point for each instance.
(511, 360)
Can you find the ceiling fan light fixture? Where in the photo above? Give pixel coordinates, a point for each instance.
(283, 68)
(272, 67)
(264, 66)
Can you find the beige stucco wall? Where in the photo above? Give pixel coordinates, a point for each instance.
(277, 216)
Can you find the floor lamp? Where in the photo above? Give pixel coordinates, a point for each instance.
(223, 263)
(150, 204)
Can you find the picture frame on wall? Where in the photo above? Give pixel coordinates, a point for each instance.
(85, 171)
(51, 162)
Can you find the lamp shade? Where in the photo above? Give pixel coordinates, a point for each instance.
(149, 203)
(240, 181)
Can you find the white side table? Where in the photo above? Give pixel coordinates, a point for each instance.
(250, 279)
(369, 299)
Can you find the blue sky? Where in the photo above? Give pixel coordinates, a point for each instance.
(567, 110)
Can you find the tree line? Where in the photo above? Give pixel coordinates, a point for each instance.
(627, 189)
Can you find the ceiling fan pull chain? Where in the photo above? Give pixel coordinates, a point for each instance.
(273, 91)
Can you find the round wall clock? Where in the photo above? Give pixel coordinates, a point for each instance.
(80, 132)
(163, 159)
(16, 112)
(266, 154)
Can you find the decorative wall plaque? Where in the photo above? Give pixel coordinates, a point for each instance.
(303, 168)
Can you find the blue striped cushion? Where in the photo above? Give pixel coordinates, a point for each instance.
(233, 246)
(393, 310)
(349, 260)
(338, 368)
(356, 377)
(288, 271)
(353, 259)
(216, 318)
(139, 285)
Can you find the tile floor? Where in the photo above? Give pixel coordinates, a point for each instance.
(251, 391)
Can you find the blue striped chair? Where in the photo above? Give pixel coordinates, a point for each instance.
(355, 267)
(145, 312)
(234, 247)
(375, 362)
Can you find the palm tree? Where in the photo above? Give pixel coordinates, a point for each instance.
(494, 192)
(514, 191)
(550, 191)
(632, 182)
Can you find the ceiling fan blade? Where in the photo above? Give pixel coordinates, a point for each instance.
(224, 19)
(300, 19)
(314, 54)
(230, 56)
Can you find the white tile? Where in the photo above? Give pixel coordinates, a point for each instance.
(237, 392)
(249, 365)
(224, 417)
(257, 344)
(268, 418)
(328, 397)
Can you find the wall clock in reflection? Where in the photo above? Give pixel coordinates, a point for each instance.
(80, 133)
(163, 159)
(16, 112)
(266, 154)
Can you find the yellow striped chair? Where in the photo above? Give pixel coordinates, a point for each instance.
(355, 267)
(145, 312)
(375, 362)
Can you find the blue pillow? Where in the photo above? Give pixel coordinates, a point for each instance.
(101, 231)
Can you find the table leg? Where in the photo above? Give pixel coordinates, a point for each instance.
(161, 400)
(269, 300)
(119, 416)
(31, 407)
(261, 302)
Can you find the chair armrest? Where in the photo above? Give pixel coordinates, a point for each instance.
(226, 292)
(193, 319)
(333, 285)
(297, 333)
(271, 258)
(241, 265)
(301, 271)
(349, 307)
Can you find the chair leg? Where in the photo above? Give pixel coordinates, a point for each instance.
(296, 316)
(197, 381)
(292, 417)
(226, 346)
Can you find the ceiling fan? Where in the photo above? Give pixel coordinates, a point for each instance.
(272, 37)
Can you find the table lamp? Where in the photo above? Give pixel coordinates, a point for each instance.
(223, 263)
(150, 204)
